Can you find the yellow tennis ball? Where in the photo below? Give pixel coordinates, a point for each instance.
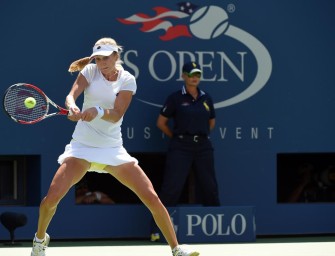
(30, 102)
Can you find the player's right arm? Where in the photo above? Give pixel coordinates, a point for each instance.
(77, 89)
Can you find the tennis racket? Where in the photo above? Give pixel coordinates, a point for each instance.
(14, 104)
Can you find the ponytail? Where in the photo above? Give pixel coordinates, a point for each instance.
(79, 65)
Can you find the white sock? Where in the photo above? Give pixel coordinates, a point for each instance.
(39, 240)
(175, 248)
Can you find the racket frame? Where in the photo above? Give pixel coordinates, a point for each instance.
(61, 111)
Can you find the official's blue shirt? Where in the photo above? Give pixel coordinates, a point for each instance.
(191, 116)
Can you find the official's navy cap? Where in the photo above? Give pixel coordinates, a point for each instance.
(191, 67)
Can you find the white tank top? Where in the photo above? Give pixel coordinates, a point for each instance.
(101, 92)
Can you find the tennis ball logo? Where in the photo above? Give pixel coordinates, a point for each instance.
(30, 102)
(209, 22)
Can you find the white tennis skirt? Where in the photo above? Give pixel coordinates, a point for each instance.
(98, 157)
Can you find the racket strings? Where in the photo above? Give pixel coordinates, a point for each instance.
(14, 104)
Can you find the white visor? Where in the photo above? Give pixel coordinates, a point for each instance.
(104, 50)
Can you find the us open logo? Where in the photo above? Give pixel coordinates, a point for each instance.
(205, 23)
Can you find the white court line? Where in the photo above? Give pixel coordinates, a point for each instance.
(252, 249)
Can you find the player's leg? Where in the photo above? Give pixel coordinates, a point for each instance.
(132, 176)
(177, 166)
(68, 174)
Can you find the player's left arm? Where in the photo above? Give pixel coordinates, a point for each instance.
(121, 105)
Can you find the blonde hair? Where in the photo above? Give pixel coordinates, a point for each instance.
(79, 65)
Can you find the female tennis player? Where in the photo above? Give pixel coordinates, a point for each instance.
(97, 141)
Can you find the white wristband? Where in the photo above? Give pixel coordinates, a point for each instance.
(101, 112)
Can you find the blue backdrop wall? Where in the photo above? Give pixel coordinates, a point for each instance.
(267, 64)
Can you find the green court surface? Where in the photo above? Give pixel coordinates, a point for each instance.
(275, 246)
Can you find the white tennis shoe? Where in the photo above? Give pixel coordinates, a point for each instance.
(182, 250)
(39, 248)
